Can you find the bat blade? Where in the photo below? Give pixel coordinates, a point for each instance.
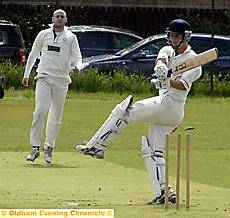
(199, 60)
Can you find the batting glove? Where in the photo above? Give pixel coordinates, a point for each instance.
(161, 71)
(162, 84)
(157, 83)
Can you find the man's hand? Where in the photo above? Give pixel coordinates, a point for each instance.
(25, 82)
(161, 71)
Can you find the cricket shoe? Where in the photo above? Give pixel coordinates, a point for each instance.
(94, 152)
(161, 198)
(172, 195)
(34, 154)
(48, 154)
(157, 200)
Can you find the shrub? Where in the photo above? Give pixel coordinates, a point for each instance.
(93, 81)
(119, 82)
(13, 75)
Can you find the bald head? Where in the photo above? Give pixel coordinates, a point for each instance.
(59, 20)
(59, 11)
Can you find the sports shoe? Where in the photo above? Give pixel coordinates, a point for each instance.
(172, 195)
(93, 152)
(34, 154)
(48, 154)
(161, 199)
(157, 200)
(172, 198)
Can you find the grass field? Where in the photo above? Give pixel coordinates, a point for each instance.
(120, 181)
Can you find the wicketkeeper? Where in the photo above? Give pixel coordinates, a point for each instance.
(164, 112)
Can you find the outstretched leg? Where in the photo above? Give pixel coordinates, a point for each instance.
(114, 124)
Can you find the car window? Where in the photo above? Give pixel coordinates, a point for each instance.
(92, 40)
(133, 47)
(10, 36)
(3, 37)
(223, 47)
(202, 44)
(150, 50)
(160, 43)
(120, 41)
(92, 43)
(154, 47)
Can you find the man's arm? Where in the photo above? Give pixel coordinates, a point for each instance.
(34, 54)
(76, 57)
(30, 63)
(177, 84)
(162, 71)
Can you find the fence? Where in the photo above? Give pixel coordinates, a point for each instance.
(145, 20)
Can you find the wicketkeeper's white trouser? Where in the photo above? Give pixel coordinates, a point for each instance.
(50, 96)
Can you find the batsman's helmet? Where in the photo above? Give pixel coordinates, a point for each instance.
(180, 26)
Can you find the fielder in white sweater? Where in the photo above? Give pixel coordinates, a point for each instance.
(59, 52)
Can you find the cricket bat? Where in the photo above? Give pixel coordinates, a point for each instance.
(190, 63)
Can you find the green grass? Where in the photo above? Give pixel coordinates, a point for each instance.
(120, 181)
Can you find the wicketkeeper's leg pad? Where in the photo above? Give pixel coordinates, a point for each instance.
(113, 126)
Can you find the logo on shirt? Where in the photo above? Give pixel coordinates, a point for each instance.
(180, 67)
(53, 48)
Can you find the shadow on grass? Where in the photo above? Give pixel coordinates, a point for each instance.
(48, 166)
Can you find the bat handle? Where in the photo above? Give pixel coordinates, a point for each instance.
(153, 76)
(169, 73)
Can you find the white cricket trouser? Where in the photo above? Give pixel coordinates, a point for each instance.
(163, 116)
(50, 96)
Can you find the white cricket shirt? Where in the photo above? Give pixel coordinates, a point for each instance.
(187, 78)
(58, 52)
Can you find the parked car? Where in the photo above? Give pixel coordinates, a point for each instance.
(140, 57)
(99, 40)
(11, 43)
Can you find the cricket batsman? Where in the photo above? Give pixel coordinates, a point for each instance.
(164, 112)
